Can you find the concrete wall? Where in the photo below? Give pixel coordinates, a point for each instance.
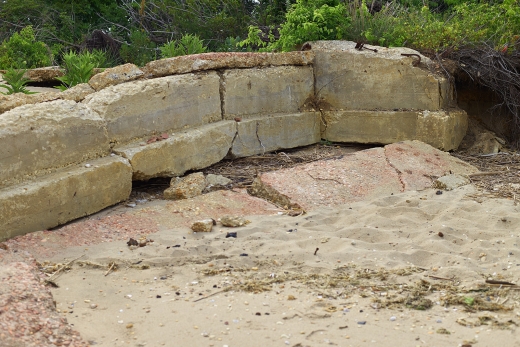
(67, 155)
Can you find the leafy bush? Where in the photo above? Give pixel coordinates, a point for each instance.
(22, 51)
(376, 28)
(306, 20)
(16, 82)
(188, 44)
(311, 20)
(79, 67)
(468, 23)
(231, 44)
(140, 50)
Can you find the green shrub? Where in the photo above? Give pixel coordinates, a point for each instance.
(15, 82)
(306, 20)
(188, 44)
(140, 50)
(79, 67)
(374, 28)
(22, 51)
(311, 20)
(469, 23)
(231, 44)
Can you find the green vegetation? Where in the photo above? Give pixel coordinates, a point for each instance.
(40, 32)
(461, 23)
(139, 50)
(466, 24)
(15, 82)
(306, 20)
(22, 51)
(188, 44)
(79, 67)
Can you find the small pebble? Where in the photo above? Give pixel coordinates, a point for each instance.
(393, 318)
(363, 322)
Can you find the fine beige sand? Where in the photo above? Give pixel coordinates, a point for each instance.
(378, 266)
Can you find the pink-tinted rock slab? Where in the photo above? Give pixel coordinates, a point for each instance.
(363, 175)
(417, 163)
(354, 177)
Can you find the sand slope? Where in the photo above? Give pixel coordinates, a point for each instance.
(267, 287)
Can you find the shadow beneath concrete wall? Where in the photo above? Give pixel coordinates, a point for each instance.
(242, 171)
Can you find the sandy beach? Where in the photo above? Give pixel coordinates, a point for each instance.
(379, 266)
(417, 268)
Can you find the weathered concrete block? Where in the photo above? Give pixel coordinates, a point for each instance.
(252, 92)
(63, 196)
(441, 129)
(269, 133)
(369, 126)
(42, 137)
(140, 108)
(8, 102)
(188, 150)
(349, 79)
(224, 60)
(115, 75)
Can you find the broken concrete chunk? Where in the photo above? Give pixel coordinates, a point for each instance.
(185, 187)
(450, 182)
(216, 180)
(44, 74)
(204, 225)
(234, 221)
(77, 93)
(116, 75)
(486, 143)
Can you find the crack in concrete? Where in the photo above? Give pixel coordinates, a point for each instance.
(230, 150)
(399, 173)
(222, 92)
(258, 138)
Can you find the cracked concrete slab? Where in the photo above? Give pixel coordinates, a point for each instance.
(182, 151)
(265, 134)
(404, 166)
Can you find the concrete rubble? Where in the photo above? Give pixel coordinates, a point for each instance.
(186, 113)
(204, 225)
(186, 187)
